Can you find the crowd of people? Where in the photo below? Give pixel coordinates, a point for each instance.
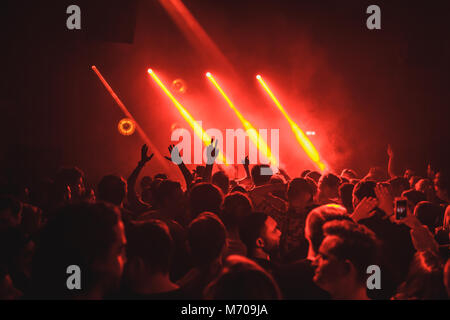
(264, 236)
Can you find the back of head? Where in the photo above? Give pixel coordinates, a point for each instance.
(239, 189)
(304, 173)
(72, 177)
(346, 195)
(167, 191)
(236, 205)
(205, 197)
(261, 174)
(330, 181)
(221, 180)
(349, 174)
(364, 189)
(251, 228)
(82, 235)
(397, 186)
(206, 236)
(425, 278)
(429, 214)
(300, 188)
(442, 185)
(317, 218)
(151, 242)
(243, 279)
(413, 197)
(112, 189)
(358, 244)
(314, 175)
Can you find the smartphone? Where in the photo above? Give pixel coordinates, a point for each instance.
(400, 208)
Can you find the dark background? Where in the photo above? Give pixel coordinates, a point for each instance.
(358, 89)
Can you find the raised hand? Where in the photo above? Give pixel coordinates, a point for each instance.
(246, 162)
(212, 152)
(386, 203)
(390, 152)
(174, 155)
(144, 157)
(364, 208)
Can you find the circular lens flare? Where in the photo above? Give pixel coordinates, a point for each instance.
(126, 127)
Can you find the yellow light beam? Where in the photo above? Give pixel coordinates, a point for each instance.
(198, 130)
(128, 115)
(251, 131)
(302, 139)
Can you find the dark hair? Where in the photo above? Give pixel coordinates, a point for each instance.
(151, 241)
(206, 236)
(239, 189)
(243, 279)
(346, 193)
(314, 175)
(235, 206)
(221, 180)
(251, 229)
(112, 189)
(79, 234)
(257, 177)
(425, 278)
(165, 190)
(358, 244)
(69, 176)
(429, 214)
(161, 176)
(304, 173)
(329, 180)
(318, 217)
(365, 189)
(205, 197)
(398, 185)
(413, 197)
(299, 186)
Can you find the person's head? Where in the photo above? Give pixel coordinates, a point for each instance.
(242, 279)
(397, 186)
(10, 212)
(239, 189)
(329, 185)
(146, 182)
(424, 280)
(363, 189)
(315, 221)
(344, 255)
(346, 196)
(314, 175)
(205, 197)
(199, 172)
(259, 232)
(442, 186)
(409, 173)
(261, 174)
(300, 193)
(304, 173)
(349, 174)
(426, 186)
(413, 180)
(149, 249)
(168, 194)
(413, 197)
(235, 206)
(72, 177)
(112, 189)
(429, 214)
(221, 180)
(88, 236)
(207, 239)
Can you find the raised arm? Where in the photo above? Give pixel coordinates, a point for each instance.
(176, 158)
(391, 169)
(134, 202)
(211, 152)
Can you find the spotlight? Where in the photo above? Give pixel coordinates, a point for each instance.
(179, 85)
